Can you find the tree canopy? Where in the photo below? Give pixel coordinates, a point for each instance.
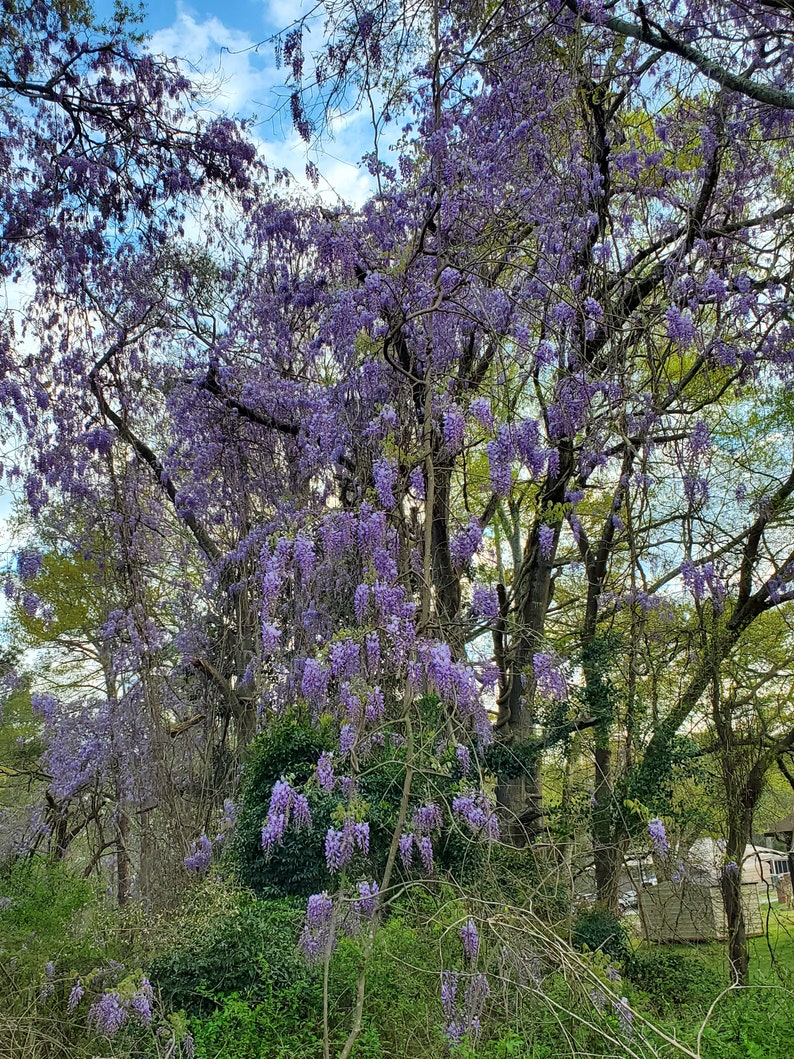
(496, 467)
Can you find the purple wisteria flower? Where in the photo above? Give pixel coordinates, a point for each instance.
(75, 996)
(702, 577)
(286, 806)
(454, 428)
(340, 845)
(271, 634)
(316, 935)
(325, 772)
(361, 602)
(551, 683)
(344, 658)
(463, 758)
(658, 835)
(463, 1018)
(427, 818)
(384, 473)
(470, 939)
(303, 555)
(301, 813)
(455, 1031)
(714, 288)
(466, 543)
(425, 844)
(485, 602)
(599, 998)
(680, 328)
(48, 988)
(29, 564)
(199, 858)
(696, 489)
(141, 1003)
(449, 992)
(347, 739)
(625, 1016)
(406, 847)
(699, 439)
(375, 706)
(546, 541)
(480, 409)
(478, 813)
(500, 463)
(314, 683)
(107, 1014)
(367, 896)
(416, 480)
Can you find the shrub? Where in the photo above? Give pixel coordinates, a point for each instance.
(755, 1024)
(673, 978)
(600, 931)
(240, 1029)
(298, 868)
(49, 914)
(248, 949)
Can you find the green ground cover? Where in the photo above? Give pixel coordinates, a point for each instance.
(229, 983)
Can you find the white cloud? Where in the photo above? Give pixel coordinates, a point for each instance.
(227, 59)
(281, 14)
(241, 78)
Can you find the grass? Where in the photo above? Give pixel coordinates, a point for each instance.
(771, 955)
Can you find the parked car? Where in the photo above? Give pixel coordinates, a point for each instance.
(628, 899)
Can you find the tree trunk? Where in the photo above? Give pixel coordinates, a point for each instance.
(520, 797)
(742, 786)
(606, 851)
(738, 954)
(122, 856)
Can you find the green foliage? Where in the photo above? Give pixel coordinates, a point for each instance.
(21, 747)
(528, 878)
(598, 695)
(652, 782)
(50, 915)
(598, 931)
(672, 979)
(231, 963)
(289, 749)
(402, 1015)
(240, 1029)
(246, 949)
(509, 761)
(297, 866)
(752, 1025)
(381, 789)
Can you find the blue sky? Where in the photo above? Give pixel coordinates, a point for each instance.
(230, 43)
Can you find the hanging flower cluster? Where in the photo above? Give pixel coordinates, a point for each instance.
(287, 806)
(463, 996)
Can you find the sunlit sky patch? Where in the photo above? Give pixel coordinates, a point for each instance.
(230, 43)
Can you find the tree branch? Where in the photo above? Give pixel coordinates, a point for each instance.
(655, 37)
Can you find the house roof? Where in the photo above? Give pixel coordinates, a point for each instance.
(786, 825)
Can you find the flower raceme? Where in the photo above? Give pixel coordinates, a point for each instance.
(287, 806)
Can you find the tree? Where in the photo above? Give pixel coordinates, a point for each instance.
(487, 402)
